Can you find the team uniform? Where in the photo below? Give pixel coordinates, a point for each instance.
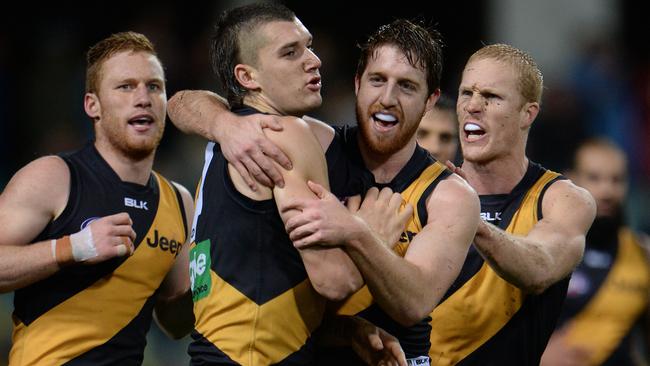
(415, 181)
(607, 295)
(253, 301)
(100, 314)
(483, 319)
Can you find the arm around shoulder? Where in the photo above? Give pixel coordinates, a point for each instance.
(195, 111)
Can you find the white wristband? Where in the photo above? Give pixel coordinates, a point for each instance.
(83, 247)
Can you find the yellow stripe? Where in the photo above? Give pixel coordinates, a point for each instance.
(258, 335)
(94, 315)
(484, 304)
(412, 195)
(619, 302)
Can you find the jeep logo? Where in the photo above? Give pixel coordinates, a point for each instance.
(164, 243)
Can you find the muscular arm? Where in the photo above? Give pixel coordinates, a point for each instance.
(34, 197)
(330, 270)
(551, 249)
(409, 288)
(174, 307)
(195, 112)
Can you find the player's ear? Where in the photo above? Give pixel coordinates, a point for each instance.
(246, 76)
(92, 106)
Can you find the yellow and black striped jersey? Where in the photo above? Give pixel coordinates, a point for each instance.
(100, 314)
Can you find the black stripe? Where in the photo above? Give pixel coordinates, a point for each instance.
(529, 329)
(204, 353)
(541, 194)
(124, 348)
(181, 205)
(423, 214)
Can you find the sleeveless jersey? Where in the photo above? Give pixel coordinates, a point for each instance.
(483, 319)
(415, 181)
(253, 302)
(100, 314)
(607, 295)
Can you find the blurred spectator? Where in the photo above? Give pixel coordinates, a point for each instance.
(608, 292)
(438, 131)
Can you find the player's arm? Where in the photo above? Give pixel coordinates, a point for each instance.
(372, 344)
(174, 307)
(242, 140)
(330, 270)
(551, 250)
(35, 196)
(409, 288)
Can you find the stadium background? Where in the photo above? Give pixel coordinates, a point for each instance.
(595, 56)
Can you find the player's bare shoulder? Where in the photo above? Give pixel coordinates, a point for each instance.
(47, 177)
(296, 136)
(454, 190)
(565, 195)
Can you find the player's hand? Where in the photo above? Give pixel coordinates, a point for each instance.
(246, 147)
(455, 169)
(375, 346)
(560, 353)
(112, 236)
(384, 211)
(322, 221)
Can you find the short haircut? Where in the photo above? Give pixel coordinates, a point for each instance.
(107, 47)
(530, 80)
(232, 29)
(421, 46)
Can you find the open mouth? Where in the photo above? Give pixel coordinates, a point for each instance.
(473, 131)
(314, 83)
(141, 120)
(141, 123)
(385, 120)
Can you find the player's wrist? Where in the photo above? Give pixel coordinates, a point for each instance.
(75, 248)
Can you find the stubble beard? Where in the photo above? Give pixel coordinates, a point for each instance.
(379, 145)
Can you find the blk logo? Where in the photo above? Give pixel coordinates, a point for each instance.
(130, 202)
(491, 216)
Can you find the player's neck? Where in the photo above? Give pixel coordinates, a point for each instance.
(386, 167)
(497, 176)
(128, 169)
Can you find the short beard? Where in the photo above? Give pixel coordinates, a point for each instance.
(604, 231)
(385, 147)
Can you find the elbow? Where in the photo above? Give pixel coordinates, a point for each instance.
(176, 333)
(412, 316)
(535, 289)
(9, 283)
(536, 286)
(180, 333)
(173, 104)
(333, 291)
(413, 312)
